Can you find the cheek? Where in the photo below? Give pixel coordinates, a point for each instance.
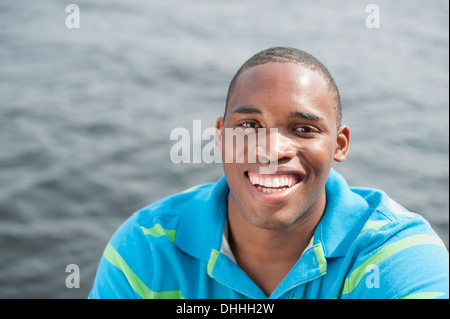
(236, 181)
(234, 174)
(235, 147)
(317, 155)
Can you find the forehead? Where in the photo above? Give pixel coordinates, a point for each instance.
(284, 86)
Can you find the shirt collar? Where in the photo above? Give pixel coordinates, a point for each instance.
(342, 219)
(201, 227)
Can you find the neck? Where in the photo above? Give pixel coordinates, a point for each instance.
(269, 245)
(267, 255)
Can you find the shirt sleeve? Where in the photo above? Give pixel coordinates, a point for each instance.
(404, 260)
(125, 263)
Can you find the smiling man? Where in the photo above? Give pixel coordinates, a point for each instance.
(269, 212)
(295, 231)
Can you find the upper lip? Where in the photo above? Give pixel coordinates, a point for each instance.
(280, 170)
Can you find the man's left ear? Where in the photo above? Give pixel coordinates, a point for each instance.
(342, 144)
(218, 137)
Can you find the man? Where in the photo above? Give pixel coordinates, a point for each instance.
(295, 231)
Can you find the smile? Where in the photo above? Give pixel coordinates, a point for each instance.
(273, 183)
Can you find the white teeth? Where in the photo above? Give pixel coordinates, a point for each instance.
(271, 190)
(276, 182)
(273, 183)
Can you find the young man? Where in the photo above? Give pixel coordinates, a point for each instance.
(284, 226)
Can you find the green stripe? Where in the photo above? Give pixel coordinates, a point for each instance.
(190, 189)
(354, 279)
(141, 289)
(158, 231)
(424, 295)
(212, 261)
(320, 258)
(374, 224)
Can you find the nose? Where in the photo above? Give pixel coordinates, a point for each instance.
(280, 148)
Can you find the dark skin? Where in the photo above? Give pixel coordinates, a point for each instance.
(263, 227)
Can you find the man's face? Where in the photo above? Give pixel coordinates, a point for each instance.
(298, 104)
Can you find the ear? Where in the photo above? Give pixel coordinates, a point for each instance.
(218, 137)
(342, 144)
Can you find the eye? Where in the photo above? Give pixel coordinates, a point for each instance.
(249, 125)
(306, 130)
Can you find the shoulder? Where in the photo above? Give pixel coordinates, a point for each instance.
(162, 218)
(397, 253)
(389, 221)
(143, 245)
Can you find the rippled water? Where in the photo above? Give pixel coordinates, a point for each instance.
(86, 114)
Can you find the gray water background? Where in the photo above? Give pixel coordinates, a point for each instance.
(86, 114)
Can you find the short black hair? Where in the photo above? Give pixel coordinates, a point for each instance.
(293, 55)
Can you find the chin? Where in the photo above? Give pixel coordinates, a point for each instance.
(272, 220)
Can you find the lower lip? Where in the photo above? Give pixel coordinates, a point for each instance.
(275, 198)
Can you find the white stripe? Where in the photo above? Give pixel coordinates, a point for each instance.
(399, 210)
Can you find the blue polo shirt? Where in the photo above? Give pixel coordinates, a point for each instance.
(365, 246)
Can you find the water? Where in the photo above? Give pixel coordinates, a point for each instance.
(86, 114)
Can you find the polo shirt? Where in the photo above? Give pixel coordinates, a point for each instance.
(365, 246)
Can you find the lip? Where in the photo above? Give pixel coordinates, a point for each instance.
(275, 198)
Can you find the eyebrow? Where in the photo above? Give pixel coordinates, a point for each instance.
(247, 110)
(302, 115)
(305, 116)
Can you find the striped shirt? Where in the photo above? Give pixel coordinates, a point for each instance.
(365, 246)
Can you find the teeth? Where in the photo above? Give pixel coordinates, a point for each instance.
(273, 183)
(271, 190)
(276, 182)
